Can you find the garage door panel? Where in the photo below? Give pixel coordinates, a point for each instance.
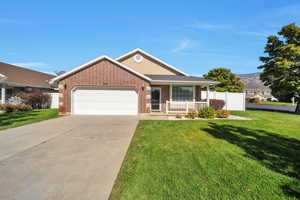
(105, 102)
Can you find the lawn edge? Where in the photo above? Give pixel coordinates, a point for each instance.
(117, 183)
(57, 116)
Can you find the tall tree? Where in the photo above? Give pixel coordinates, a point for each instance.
(228, 81)
(281, 68)
(59, 72)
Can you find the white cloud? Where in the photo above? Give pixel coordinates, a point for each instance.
(247, 31)
(264, 30)
(182, 45)
(29, 64)
(256, 33)
(209, 26)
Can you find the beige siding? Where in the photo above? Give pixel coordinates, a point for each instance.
(148, 66)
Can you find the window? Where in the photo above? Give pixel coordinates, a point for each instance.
(182, 93)
(138, 58)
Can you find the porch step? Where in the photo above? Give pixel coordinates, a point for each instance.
(165, 114)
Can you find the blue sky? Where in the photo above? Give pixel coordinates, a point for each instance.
(194, 36)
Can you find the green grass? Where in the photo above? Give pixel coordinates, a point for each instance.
(214, 159)
(277, 103)
(10, 120)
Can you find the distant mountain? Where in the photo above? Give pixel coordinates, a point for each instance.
(252, 82)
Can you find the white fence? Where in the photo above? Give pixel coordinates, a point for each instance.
(233, 101)
(54, 100)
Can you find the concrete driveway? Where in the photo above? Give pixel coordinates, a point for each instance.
(74, 157)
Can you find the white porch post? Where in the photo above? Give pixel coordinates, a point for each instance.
(3, 91)
(194, 93)
(207, 95)
(170, 90)
(168, 103)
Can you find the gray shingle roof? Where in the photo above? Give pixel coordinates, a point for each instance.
(178, 78)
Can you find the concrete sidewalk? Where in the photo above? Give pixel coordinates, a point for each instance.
(75, 157)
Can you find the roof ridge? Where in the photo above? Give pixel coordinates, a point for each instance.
(27, 69)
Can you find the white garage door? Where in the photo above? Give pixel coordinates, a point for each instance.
(105, 102)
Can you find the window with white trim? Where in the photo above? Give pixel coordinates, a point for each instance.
(182, 93)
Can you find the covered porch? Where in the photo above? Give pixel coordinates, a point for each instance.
(178, 94)
(3, 98)
(8, 90)
(5, 93)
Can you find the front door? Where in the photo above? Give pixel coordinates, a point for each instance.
(155, 98)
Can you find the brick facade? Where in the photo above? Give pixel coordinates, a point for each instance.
(103, 74)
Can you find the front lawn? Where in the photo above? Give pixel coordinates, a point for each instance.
(277, 103)
(10, 120)
(214, 159)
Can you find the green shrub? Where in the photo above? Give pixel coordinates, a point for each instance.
(8, 108)
(222, 113)
(178, 116)
(35, 100)
(207, 112)
(23, 108)
(192, 114)
(217, 104)
(254, 100)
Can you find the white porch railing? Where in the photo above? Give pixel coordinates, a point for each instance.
(184, 106)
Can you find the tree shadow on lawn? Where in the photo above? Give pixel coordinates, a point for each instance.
(11, 118)
(277, 152)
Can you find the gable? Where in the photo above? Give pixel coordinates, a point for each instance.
(97, 60)
(148, 65)
(103, 72)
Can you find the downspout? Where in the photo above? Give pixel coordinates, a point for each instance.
(207, 96)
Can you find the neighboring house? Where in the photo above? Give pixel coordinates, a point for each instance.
(136, 82)
(254, 87)
(14, 79)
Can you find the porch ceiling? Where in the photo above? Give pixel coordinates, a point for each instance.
(183, 80)
(11, 84)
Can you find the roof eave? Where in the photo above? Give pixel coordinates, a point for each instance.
(170, 82)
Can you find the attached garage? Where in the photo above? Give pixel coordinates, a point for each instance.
(103, 87)
(105, 101)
